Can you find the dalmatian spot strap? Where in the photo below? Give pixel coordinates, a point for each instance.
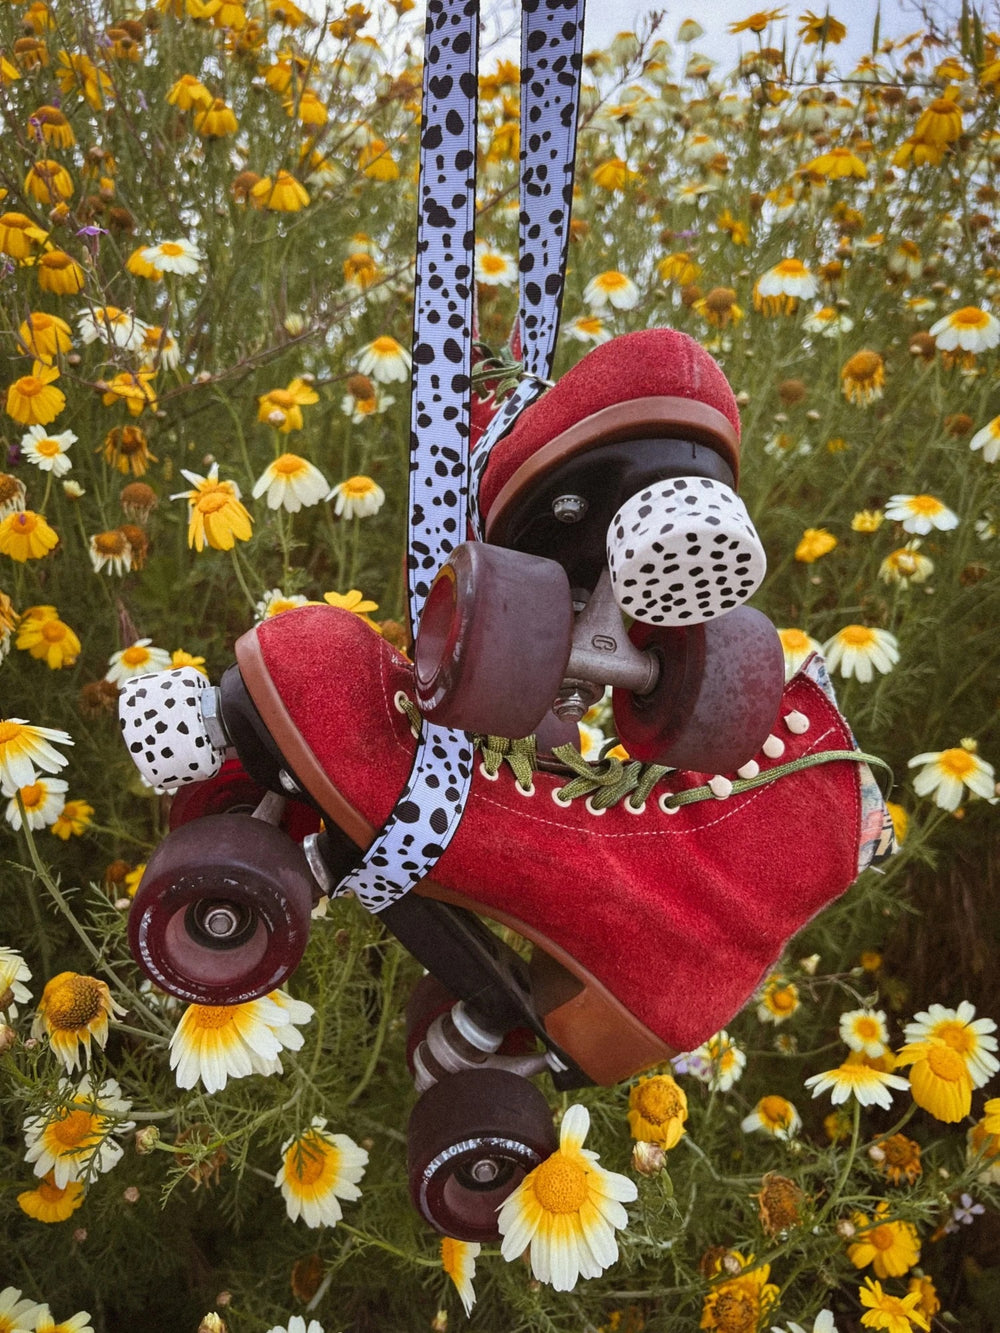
(551, 65)
(430, 806)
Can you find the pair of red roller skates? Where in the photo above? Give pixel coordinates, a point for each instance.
(654, 899)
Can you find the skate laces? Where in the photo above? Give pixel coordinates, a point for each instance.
(611, 780)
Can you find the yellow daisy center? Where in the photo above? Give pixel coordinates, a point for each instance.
(946, 1064)
(135, 656)
(170, 248)
(969, 317)
(75, 1129)
(310, 1160)
(782, 1000)
(791, 268)
(32, 796)
(49, 1191)
(9, 731)
(866, 1028)
(281, 398)
(385, 346)
(212, 1015)
(957, 763)
(53, 631)
(956, 1035)
(111, 543)
(48, 448)
(863, 366)
(30, 385)
(289, 465)
(74, 1003)
(210, 501)
(492, 263)
(561, 1184)
(774, 1110)
(357, 488)
(735, 1312)
(794, 639)
(612, 282)
(857, 636)
(658, 1102)
(881, 1237)
(924, 504)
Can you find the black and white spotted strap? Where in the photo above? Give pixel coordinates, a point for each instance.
(429, 808)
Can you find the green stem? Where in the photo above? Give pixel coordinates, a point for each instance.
(845, 1170)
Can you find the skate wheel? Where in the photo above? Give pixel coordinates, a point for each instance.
(717, 697)
(683, 551)
(493, 641)
(163, 727)
(223, 911)
(472, 1138)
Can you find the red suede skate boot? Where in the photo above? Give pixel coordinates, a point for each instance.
(613, 494)
(653, 918)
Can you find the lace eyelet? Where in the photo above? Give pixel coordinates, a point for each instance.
(668, 809)
(633, 809)
(560, 802)
(399, 701)
(490, 777)
(594, 810)
(524, 791)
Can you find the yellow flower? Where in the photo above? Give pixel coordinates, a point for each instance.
(940, 123)
(863, 376)
(282, 408)
(48, 181)
(741, 1303)
(23, 746)
(213, 1043)
(73, 1011)
(613, 174)
(127, 449)
(814, 542)
(939, 1079)
(898, 1159)
(59, 273)
(34, 400)
(282, 195)
(796, 645)
(900, 821)
(739, 232)
(73, 1140)
(49, 640)
(821, 31)
(566, 1211)
(678, 267)
(757, 22)
(48, 1202)
(779, 1000)
(718, 307)
(856, 1078)
(74, 820)
(458, 1259)
(44, 336)
(317, 1171)
(19, 235)
(377, 162)
(26, 536)
(188, 92)
(215, 515)
(657, 1111)
(838, 163)
(971, 1037)
(867, 520)
(775, 1115)
(216, 120)
(289, 482)
(895, 1314)
(358, 497)
(53, 126)
(179, 658)
(134, 388)
(354, 601)
(892, 1248)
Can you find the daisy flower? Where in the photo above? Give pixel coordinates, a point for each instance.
(566, 1211)
(988, 439)
(44, 337)
(355, 601)
(895, 1314)
(16, 1314)
(778, 1000)
(779, 289)
(48, 639)
(814, 543)
(796, 645)
(960, 1029)
(969, 329)
(823, 1323)
(109, 324)
(747, 1293)
(891, 1247)
(14, 972)
(318, 1170)
(294, 1014)
(216, 517)
(41, 800)
(384, 360)
(494, 268)
(160, 346)
(12, 495)
(921, 513)
(298, 1325)
(719, 1062)
(48, 1203)
(458, 1259)
(588, 329)
(858, 650)
(775, 1116)
(74, 1011)
(275, 601)
(24, 749)
(34, 400)
(290, 482)
(944, 773)
(139, 659)
(74, 820)
(854, 1078)
(863, 377)
(357, 497)
(179, 256)
(611, 288)
(112, 551)
(657, 1110)
(48, 451)
(359, 407)
(828, 322)
(73, 1139)
(865, 1030)
(897, 1158)
(906, 565)
(213, 1043)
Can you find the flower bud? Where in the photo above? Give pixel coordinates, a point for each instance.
(146, 1140)
(212, 1323)
(845, 1228)
(8, 1037)
(648, 1159)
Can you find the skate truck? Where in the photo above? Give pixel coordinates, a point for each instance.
(607, 547)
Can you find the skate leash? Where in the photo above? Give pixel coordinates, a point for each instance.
(430, 806)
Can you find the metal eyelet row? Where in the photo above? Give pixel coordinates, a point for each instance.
(399, 701)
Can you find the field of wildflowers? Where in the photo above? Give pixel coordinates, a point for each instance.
(207, 214)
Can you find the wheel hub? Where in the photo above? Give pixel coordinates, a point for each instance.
(219, 924)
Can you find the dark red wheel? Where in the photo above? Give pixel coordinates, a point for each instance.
(493, 640)
(472, 1138)
(234, 792)
(717, 697)
(222, 913)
